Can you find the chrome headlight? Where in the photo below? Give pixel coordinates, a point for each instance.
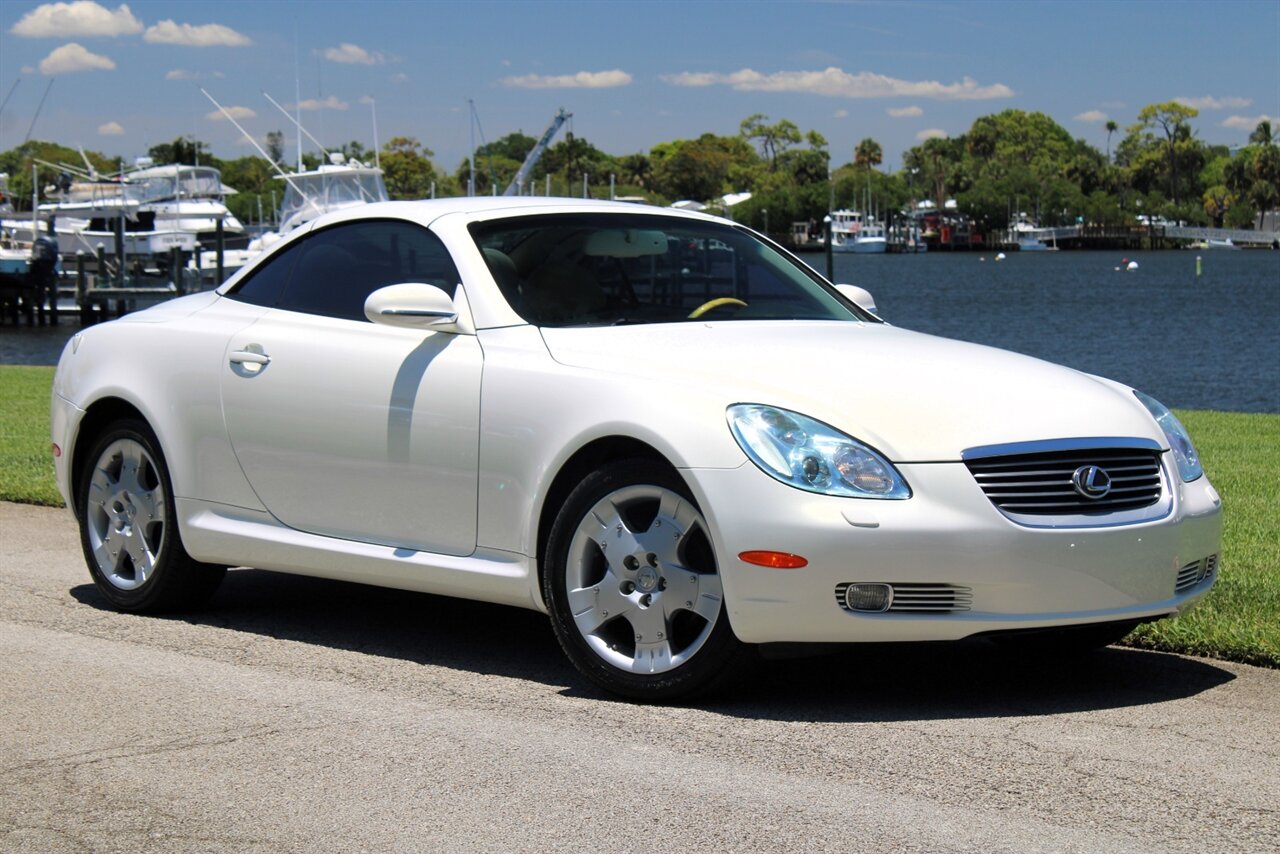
(809, 455)
(1184, 452)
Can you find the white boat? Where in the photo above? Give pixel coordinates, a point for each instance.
(89, 214)
(845, 225)
(15, 259)
(337, 185)
(1034, 244)
(187, 198)
(1028, 235)
(334, 186)
(870, 239)
(1226, 243)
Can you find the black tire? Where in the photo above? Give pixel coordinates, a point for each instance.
(1066, 642)
(128, 526)
(674, 588)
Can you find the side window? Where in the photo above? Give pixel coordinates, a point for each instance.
(342, 265)
(265, 285)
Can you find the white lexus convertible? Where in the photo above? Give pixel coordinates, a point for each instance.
(657, 427)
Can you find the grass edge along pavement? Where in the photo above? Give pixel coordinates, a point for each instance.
(1238, 621)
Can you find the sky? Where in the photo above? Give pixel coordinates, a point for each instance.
(633, 74)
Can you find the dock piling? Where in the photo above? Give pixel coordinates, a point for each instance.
(221, 249)
(82, 290)
(175, 268)
(826, 239)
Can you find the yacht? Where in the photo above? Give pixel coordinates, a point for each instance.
(845, 226)
(870, 239)
(334, 186)
(188, 198)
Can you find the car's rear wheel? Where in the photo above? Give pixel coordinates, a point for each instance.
(633, 588)
(128, 526)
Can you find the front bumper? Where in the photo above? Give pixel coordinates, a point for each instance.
(64, 422)
(947, 533)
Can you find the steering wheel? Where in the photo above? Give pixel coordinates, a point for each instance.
(715, 303)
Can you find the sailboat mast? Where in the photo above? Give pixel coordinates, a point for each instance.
(377, 158)
(297, 95)
(471, 128)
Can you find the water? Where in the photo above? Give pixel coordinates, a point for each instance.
(1206, 343)
(1201, 343)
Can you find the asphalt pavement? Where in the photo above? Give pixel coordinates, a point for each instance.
(296, 714)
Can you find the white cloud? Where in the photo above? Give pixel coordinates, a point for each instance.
(183, 74)
(367, 100)
(192, 35)
(399, 77)
(330, 103)
(1208, 102)
(840, 114)
(836, 83)
(581, 80)
(234, 112)
(931, 133)
(73, 57)
(110, 129)
(1092, 116)
(353, 54)
(905, 112)
(82, 18)
(1249, 122)
(27, 69)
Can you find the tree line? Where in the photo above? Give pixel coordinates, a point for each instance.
(1006, 163)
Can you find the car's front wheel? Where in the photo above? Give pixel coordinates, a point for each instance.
(633, 588)
(128, 526)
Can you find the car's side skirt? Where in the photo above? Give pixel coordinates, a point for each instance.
(235, 536)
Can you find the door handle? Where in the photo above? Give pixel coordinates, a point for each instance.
(248, 357)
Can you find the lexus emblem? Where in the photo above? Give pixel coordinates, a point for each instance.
(1091, 482)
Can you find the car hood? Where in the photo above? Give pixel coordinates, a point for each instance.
(914, 397)
(174, 309)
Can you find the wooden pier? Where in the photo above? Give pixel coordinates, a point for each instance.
(1143, 237)
(100, 289)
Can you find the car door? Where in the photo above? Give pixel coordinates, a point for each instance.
(351, 429)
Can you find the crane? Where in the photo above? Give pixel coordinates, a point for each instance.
(535, 154)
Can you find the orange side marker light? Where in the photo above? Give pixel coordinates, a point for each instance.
(773, 560)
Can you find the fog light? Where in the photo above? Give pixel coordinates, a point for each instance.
(868, 597)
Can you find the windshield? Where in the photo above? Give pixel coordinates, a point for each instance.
(591, 269)
(308, 196)
(185, 183)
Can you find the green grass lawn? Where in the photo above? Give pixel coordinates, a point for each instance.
(26, 466)
(1239, 620)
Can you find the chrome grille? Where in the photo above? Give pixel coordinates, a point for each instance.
(1041, 483)
(1195, 573)
(919, 598)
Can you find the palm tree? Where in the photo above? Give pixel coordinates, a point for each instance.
(868, 154)
(1262, 134)
(1112, 127)
(636, 169)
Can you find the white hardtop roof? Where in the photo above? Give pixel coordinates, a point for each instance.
(330, 170)
(490, 207)
(169, 170)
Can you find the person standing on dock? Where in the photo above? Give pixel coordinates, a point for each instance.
(43, 274)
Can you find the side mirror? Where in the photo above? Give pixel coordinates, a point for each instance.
(413, 305)
(860, 297)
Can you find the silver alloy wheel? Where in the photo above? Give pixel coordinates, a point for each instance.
(125, 514)
(641, 580)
